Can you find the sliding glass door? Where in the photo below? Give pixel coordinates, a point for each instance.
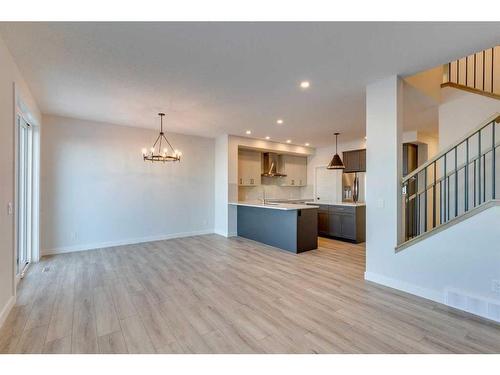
(24, 194)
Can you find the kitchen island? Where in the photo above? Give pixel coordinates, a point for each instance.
(291, 227)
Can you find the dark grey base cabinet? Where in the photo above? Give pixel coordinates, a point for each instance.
(343, 222)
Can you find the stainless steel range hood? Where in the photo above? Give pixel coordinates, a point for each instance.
(272, 165)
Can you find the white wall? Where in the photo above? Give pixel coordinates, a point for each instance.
(9, 74)
(461, 112)
(463, 258)
(97, 190)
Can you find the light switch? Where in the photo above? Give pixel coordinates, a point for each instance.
(380, 203)
(10, 208)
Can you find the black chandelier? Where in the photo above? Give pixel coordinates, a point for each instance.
(156, 153)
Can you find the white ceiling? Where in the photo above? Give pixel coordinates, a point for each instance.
(214, 78)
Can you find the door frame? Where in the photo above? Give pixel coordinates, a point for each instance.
(23, 110)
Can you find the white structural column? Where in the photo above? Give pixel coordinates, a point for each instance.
(384, 104)
(221, 185)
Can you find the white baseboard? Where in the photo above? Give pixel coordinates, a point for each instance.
(130, 241)
(226, 234)
(221, 233)
(405, 287)
(6, 310)
(491, 308)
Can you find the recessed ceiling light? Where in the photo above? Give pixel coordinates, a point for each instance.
(305, 84)
(307, 143)
(248, 132)
(279, 121)
(268, 137)
(288, 141)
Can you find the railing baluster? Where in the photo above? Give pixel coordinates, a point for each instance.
(425, 200)
(434, 199)
(484, 178)
(475, 70)
(417, 204)
(493, 157)
(466, 71)
(456, 181)
(448, 199)
(492, 66)
(466, 172)
(458, 71)
(479, 160)
(475, 183)
(445, 189)
(484, 68)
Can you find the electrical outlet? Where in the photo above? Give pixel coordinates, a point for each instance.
(74, 236)
(10, 208)
(495, 286)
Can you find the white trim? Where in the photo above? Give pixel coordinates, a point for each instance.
(433, 295)
(130, 241)
(225, 234)
(6, 310)
(221, 233)
(430, 294)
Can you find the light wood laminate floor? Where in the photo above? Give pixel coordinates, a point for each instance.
(209, 294)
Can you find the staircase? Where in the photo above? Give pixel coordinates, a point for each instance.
(478, 73)
(457, 183)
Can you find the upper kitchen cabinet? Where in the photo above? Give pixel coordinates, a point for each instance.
(354, 161)
(295, 168)
(249, 167)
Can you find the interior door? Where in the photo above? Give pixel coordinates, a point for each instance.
(326, 185)
(24, 194)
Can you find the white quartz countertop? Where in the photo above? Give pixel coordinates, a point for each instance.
(274, 206)
(351, 204)
(290, 200)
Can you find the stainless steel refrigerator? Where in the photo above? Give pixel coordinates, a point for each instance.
(353, 187)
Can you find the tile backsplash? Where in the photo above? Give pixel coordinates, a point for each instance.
(273, 191)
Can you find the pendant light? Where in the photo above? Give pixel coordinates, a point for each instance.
(156, 153)
(336, 162)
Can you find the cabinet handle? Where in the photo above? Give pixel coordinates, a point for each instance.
(241, 181)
